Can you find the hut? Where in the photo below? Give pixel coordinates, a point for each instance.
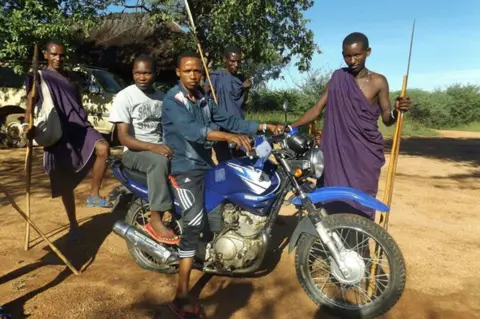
(120, 37)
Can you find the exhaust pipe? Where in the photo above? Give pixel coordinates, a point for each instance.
(144, 243)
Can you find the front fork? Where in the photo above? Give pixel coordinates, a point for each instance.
(330, 239)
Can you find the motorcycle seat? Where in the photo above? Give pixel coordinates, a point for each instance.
(137, 177)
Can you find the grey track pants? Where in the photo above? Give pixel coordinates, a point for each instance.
(156, 166)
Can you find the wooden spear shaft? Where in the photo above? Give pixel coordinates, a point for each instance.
(192, 25)
(392, 166)
(28, 157)
(29, 221)
(392, 169)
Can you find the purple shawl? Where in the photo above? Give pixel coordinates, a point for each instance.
(69, 160)
(352, 144)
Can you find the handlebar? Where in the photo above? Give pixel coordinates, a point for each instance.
(271, 139)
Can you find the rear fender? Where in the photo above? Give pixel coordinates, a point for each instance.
(304, 226)
(333, 193)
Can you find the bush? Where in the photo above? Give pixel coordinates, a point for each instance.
(456, 105)
(299, 100)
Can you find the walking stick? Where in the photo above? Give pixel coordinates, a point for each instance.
(30, 222)
(392, 169)
(31, 98)
(190, 17)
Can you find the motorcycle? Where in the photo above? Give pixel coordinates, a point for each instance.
(243, 198)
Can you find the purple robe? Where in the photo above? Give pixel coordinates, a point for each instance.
(69, 160)
(352, 143)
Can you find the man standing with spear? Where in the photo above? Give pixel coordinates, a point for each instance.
(352, 143)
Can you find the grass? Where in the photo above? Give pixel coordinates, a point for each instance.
(409, 128)
(273, 117)
(472, 127)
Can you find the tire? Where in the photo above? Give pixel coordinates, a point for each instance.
(395, 258)
(142, 259)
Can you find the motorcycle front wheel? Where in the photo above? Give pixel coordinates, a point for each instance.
(377, 269)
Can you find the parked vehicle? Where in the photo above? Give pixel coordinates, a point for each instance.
(98, 88)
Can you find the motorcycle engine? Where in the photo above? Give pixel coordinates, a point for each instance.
(240, 245)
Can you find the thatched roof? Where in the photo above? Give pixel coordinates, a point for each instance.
(121, 37)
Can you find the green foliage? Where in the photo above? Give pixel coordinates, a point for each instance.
(270, 33)
(300, 99)
(25, 22)
(454, 106)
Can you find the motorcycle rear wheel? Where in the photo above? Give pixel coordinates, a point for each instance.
(138, 215)
(391, 252)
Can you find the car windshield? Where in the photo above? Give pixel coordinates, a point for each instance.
(110, 82)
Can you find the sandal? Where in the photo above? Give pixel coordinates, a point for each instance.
(170, 238)
(176, 306)
(98, 201)
(4, 315)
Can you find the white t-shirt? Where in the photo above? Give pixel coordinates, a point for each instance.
(144, 112)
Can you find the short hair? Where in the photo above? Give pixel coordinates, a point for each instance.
(356, 37)
(230, 49)
(146, 58)
(53, 42)
(187, 54)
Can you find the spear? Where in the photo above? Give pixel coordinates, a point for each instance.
(392, 168)
(194, 29)
(31, 98)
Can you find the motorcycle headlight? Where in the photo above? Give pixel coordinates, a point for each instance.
(316, 162)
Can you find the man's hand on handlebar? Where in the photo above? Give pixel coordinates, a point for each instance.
(238, 141)
(276, 128)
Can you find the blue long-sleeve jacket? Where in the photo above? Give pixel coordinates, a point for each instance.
(186, 125)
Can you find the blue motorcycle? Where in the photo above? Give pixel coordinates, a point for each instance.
(344, 262)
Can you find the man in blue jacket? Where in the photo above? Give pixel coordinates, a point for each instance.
(188, 119)
(231, 89)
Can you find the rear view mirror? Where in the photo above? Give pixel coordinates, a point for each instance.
(285, 105)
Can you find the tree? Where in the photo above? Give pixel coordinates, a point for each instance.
(270, 32)
(24, 22)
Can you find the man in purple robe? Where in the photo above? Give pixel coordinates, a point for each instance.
(352, 144)
(81, 147)
(231, 89)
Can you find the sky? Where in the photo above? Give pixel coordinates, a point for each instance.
(446, 48)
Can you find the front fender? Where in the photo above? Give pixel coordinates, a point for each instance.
(304, 226)
(343, 193)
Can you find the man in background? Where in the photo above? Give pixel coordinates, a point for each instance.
(231, 89)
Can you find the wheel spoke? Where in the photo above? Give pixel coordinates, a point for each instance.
(344, 293)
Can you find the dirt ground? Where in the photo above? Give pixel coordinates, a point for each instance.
(434, 220)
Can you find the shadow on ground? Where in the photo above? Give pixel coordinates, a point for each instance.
(223, 296)
(465, 150)
(81, 255)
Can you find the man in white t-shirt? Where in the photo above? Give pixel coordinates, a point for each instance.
(137, 114)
